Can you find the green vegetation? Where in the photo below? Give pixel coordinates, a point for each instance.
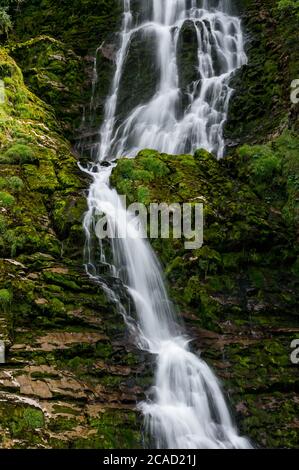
(5, 22)
(20, 153)
(6, 199)
(288, 6)
(14, 183)
(272, 170)
(261, 107)
(33, 418)
(5, 297)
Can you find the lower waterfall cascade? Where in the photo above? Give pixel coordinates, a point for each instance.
(185, 408)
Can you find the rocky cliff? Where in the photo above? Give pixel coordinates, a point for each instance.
(72, 375)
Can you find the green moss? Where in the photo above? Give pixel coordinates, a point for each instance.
(127, 435)
(3, 224)
(6, 199)
(241, 279)
(272, 171)
(41, 178)
(62, 280)
(68, 211)
(15, 183)
(61, 424)
(29, 239)
(5, 298)
(261, 105)
(22, 420)
(143, 195)
(238, 227)
(288, 6)
(264, 163)
(33, 418)
(20, 153)
(150, 161)
(41, 246)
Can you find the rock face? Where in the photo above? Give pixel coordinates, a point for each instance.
(72, 376)
(261, 105)
(239, 291)
(55, 43)
(69, 377)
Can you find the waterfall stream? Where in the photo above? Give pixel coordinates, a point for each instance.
(186, 407)
(160, 123)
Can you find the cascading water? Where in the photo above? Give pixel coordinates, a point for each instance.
(186, 408)
(161, 123)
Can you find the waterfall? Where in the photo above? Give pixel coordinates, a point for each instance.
(185, 408)
(160, 123)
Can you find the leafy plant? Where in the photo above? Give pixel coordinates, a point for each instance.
(5, 21)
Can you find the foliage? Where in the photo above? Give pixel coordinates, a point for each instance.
(34, 418)
(5, 21)
(288, 6)
(5, 299)
(3, 224)
(6, 199)
(273, 172)
(20, 153)
(264, 163)
(14, 183)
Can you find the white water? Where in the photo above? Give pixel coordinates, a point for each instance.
(160, 123)
(186, 408)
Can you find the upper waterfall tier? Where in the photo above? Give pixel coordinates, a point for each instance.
(174, 118)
